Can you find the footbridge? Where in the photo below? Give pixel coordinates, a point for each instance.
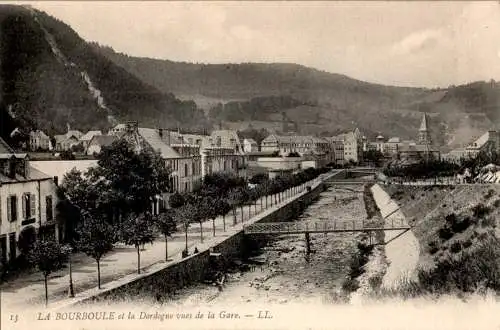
(314, 227)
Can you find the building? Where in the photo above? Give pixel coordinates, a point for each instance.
(27, 202)
(249, 145)
(409, 150)
(85, 139)
(488, 142)
(39, 141)
(68, 140)
(120, 128)
(285, 144)
(98, 141)
(226, 139)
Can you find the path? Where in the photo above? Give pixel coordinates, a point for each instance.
(121, 264)
(403, 252)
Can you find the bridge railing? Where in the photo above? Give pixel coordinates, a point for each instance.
(321, 226)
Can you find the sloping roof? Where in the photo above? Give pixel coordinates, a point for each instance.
(76, 133)
(103, 140)
(152, 137)
(4, 147)
(394, 140)
(423, 123)
(33, 174)
(61, 167)
(481, 141)
(89, 135)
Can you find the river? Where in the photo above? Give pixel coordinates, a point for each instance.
(288, 275)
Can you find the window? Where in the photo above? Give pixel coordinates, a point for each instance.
(28, 205)
(12, 208)
(186, 170)
(48, 208)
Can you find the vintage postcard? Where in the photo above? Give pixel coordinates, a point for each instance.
(249, 165)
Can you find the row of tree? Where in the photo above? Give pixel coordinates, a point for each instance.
(112, 203)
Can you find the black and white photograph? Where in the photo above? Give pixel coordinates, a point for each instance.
(249, 165)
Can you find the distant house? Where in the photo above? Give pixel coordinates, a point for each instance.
(39, 141)
(226, 139)
(118, 129)
(66, 141)
(98, 141)
(249, 145)
(85, 139)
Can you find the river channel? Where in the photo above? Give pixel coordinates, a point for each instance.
(288, 275)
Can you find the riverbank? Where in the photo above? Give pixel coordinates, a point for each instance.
(456, 229)
(289, 276)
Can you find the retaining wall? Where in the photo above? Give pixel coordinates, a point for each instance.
(194, 268)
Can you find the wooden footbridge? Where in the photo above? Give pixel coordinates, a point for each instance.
(312, 227)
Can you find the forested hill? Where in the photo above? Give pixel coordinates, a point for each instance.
(258, 95)
(50, 77)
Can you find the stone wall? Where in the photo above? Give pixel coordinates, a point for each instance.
(194, 268)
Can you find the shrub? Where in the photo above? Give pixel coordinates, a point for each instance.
(496, 203)
(433, 247)
(445, 233)
(350, 285)
(456, 247)
(488, 222)
(480, 210)
(467, 243)
(451, 218)
(460, 226)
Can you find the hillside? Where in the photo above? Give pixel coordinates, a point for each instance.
(326, 102)
(50, 77)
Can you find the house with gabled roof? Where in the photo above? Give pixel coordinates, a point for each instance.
(85, 138)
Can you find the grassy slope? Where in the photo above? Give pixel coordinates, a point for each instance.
(426, 209)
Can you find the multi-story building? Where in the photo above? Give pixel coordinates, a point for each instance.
(39, 141)
(189, 156)
(27, 202)
(300, 144)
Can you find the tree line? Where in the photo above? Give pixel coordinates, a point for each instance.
(113, 202)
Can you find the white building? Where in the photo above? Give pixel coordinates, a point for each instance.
(39, 141)
(27, 203)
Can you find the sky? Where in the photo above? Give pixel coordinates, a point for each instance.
(425, 44)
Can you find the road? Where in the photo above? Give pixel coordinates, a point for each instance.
(121, 263)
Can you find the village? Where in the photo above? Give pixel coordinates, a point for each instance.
(31, 175)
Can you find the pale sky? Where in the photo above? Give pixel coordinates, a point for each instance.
(397, 43)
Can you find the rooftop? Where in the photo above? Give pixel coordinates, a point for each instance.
(152, 137)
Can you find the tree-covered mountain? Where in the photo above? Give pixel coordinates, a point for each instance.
(50, 77)
(239, 95)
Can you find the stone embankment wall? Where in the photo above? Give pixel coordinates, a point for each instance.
(194, 268)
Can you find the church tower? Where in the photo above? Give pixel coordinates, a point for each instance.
(423, 132)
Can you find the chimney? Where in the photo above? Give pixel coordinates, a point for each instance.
(160, 132)
(12, 167)
(56, 180)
